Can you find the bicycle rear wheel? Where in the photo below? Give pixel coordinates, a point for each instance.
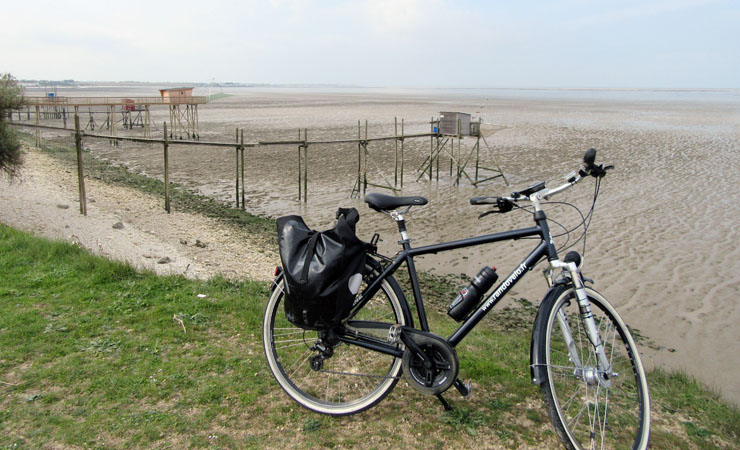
(348, 381)
(588, 409)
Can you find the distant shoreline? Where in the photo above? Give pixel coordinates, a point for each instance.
(30, 83)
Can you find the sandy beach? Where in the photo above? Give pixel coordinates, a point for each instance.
(662, 245)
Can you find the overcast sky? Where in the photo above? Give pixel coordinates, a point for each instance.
(425, 43)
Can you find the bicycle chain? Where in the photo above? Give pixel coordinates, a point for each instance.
(334, 372)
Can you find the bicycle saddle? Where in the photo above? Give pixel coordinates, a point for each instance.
(381, 202)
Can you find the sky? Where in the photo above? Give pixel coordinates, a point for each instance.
(397, 43)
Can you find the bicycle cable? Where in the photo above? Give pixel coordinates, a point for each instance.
(587, 220)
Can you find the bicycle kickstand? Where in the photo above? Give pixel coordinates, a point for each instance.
(444, 402)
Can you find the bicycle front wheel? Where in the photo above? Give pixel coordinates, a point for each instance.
(588, 408)
(349, 379)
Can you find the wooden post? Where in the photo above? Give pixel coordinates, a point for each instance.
(459, 149)
(147, 122)
(452, 153)
(113, 125)
(38, 131)
(431, 149)
(305, 165)
(439, 153)
(242, 165)
(236, 193)
(395, 133)
(364, 170)
(402, 143)
(359, 159)
(300, 173)
(166, 170)
(80, 169)
(197, 126)
(477, 156)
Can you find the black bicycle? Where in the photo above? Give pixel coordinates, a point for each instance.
(582, 354)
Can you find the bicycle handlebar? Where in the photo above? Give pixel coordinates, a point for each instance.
(483, 200)
(505, 204)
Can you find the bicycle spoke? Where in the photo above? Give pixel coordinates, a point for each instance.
(340, 378)
(599, 410)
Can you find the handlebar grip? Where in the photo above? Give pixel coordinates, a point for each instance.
(483, 200)
(589, 158)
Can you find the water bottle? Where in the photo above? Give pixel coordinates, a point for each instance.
(470, 296)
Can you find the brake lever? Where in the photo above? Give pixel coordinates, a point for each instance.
(600, 171)
(493, 211)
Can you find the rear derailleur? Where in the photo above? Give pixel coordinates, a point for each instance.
(324, 349)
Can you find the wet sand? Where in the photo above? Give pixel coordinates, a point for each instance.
(661, 246)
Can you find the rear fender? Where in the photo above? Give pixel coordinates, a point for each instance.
(278, 277)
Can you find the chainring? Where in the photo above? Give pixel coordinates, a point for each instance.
(437, 370)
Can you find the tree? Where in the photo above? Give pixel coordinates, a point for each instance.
(11, 97)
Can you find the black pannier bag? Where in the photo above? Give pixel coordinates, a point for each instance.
(322, 270)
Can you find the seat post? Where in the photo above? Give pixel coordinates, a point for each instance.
(398, 217)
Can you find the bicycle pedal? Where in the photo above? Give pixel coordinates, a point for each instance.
(465, 389)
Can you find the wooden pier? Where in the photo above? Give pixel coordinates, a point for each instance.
(441, 145)
(133, 111)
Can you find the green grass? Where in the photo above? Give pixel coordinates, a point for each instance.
(218, 96)
(93, 354)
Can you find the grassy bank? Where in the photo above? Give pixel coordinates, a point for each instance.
(94, 354)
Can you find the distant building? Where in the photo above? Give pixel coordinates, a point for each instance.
(449, 121)
(175, 94)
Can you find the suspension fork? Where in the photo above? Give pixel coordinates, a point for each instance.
(588, 320)
(589, 323)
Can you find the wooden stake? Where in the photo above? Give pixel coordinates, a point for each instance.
(236, 194)
(80, 169)
(439, 151)
(459, 149)
(364, 171)
(395, 133)
(113, 125)
(305, 165)
(147, 122)
(402, 143)
(242, 164)
(166, 170)
(38, 131)
(300, 173)
(359, 160)
(477, 156)
(197, 125)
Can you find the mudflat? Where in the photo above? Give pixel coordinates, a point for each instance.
(662, 244)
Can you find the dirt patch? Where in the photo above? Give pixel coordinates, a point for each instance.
(128, 225)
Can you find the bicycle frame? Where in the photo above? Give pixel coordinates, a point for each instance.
(545, 248)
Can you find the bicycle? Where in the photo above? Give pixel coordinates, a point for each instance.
(582, 355)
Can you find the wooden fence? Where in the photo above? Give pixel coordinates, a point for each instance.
(303, 144)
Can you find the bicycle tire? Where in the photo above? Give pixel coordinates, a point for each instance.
(353, 379)
(585, 412)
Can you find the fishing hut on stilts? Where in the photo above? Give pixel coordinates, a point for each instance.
(448, 133)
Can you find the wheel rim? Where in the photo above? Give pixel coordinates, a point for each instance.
(597, 413)
(351, 380)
